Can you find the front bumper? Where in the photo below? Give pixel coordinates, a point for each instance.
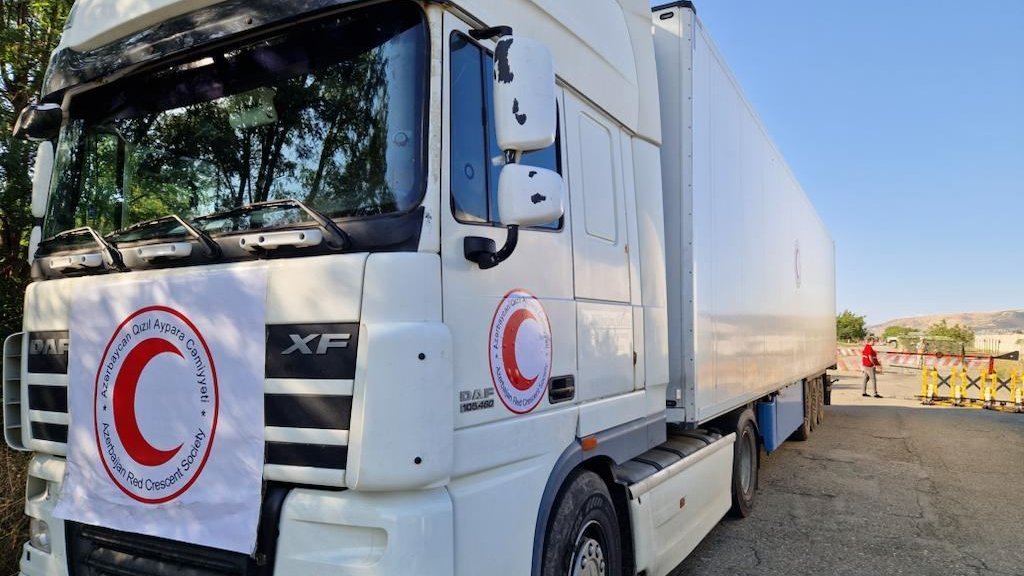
(366, 534)
(45, 475)
(320, 532)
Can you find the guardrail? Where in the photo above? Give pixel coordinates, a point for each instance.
(849, 359)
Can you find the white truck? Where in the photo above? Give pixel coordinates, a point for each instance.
(404, 287)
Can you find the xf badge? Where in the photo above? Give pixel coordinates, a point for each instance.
(324, 342)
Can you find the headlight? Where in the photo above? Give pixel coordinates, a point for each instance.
(39, 535)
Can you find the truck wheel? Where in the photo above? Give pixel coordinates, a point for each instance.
(583, 539)
(744, 466)
(804, 431)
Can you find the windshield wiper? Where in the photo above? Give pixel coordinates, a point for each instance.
(83, 261)
(210, 246)
(336, 238)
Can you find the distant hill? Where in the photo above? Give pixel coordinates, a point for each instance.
(981, 322)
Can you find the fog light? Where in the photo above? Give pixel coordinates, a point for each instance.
(39, 535)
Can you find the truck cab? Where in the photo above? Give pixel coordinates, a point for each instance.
(354, 287)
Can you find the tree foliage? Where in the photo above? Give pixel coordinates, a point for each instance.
(850, 327)
(29, 31)
(956, 332)
(896, 331)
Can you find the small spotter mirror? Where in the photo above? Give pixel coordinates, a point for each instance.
(524, 94)
(529, 196)
(39, 122)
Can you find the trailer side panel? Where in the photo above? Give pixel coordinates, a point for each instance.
(751, 265)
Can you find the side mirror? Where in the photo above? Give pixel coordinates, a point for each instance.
(42, 174)
(525, 118)
(524, 94)
(529, 196)
(39, 122)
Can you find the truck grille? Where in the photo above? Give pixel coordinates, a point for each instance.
(307, 404)
(97, 551)
(54, 401)
(94, 551)
(306, 434)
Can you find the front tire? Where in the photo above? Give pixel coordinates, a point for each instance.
(583, 538)
(744, 466)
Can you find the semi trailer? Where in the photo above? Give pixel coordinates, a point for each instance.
(393, 287)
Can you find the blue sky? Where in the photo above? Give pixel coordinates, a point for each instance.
(904, 121)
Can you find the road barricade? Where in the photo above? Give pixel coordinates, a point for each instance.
(985, 389)
(848, 358)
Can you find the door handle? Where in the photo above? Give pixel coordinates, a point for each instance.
(561, 389)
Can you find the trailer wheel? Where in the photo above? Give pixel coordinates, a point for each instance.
(744, 466)
(819, 405)
(812, 404)
(583, 538)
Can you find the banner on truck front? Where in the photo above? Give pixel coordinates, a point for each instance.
(165, 400)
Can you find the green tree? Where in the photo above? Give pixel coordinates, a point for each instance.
(956, 332)
(29, 31)
(850, 327)
(896, 331)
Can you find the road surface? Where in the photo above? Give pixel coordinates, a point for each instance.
(883, 487)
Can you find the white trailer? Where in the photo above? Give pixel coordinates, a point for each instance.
(750, 264)
(277, 225)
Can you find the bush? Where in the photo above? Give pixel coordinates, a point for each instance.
(13, 522)
(896, 331)
(956, 332)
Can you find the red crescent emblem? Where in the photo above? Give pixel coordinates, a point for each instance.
(519, 392)
(125, 419)
(508, 349)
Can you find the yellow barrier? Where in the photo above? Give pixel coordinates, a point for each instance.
(932, 386)
(958, 396)
(990, 388)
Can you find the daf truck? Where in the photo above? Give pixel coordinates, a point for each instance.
(404, 287)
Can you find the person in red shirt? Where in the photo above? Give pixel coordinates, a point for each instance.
(869, 363)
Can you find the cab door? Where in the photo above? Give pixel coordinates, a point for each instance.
(601, 265)
(513, 326)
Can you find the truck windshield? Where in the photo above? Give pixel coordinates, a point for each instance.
(328, 113)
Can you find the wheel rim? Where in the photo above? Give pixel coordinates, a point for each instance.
(746, 466)
(588, 556)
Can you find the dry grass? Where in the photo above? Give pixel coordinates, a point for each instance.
(13, 524)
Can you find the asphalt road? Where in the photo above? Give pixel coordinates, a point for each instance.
(883, 487)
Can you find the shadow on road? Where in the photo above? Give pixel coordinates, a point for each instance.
(882, 487)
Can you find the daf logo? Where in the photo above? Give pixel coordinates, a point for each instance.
(303, 344)
(54, 346)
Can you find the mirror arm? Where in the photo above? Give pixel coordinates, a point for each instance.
(511, 241)
(482, 250)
